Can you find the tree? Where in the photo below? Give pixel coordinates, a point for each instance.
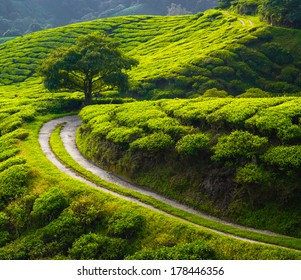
(91, 65)
(281, 12)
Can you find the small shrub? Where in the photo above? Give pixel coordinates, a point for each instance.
(4, 221)
(87, 210)
(276, 53)
(97, 247)
(192, 251)
(49, 206)
(223, 72)
(11, 162)
(251, 174)
(192, 144)
(127, 224)
(214, 92)
(14, 181)
(124, 134)
(238, 145)
(153, 143)
(285, 157)
(62, 232)
(254, 93)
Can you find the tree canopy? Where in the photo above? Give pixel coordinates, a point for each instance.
(276, 12)
(94, 63)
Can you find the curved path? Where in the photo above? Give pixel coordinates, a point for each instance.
(68, 137)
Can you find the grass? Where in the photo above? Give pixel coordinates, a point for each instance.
(59, 149)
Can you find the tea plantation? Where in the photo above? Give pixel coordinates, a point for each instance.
(237, 158)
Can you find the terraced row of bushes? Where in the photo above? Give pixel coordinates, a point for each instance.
(238, 158)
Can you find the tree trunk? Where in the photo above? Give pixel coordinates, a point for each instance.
(88, 92)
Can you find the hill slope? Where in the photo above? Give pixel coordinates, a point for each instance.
(46, 215)
(238, 158)
(230, 52)
(19, 17)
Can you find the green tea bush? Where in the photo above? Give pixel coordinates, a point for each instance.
(239, 145)
(14, 181)
(169, 126)
(254, 93)
(238, 111)
(226, 55)
(11, 162)
(284, 157)
(49, 206)
(94, 246)
(223, 72)
(4, 234)
(10, 124)
(9, 153)
(153, 143)
(102, 129)
(124, 134)
(290, 135)
(289, 74)
(251, 173)
(19, 213)
(192, 251)
(214, 92)
(126, 224)
(193, 144)
(87, 210)
(4, 221)
(277, 53)
(62, 232)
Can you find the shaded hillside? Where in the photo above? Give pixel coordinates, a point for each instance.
(19, 17)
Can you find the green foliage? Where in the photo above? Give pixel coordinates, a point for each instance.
(277, 53)
(280, 12)
(193, 144)
(254, 93)
(97, 247)
(87, 210)
(221, 142)
(193, 251)
(89, 66)
(239, 145)
(285, 157)
(19, 213)
(165, 71)
(126, 224)
(62, 232)
(124, 134)
(3, 221)
(14, 181)
(49, 206)
(153, 143)
(214, 92)
(11, 162)
(251, 174)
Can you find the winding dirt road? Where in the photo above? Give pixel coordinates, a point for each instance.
(68, 137)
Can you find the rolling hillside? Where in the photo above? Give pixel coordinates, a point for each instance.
(21, 17)
(230, 52)
(44, 214)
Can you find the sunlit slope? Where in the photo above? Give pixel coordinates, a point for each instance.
(161, 43)
(179, 56)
